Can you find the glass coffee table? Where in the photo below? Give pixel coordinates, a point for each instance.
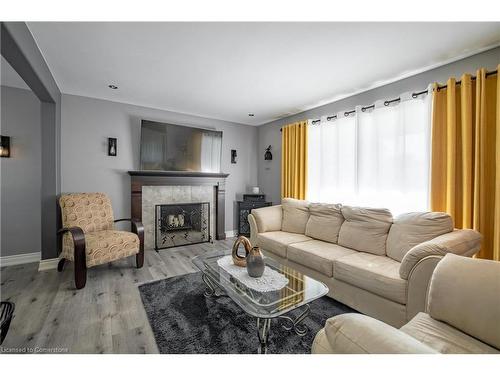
(299, 292)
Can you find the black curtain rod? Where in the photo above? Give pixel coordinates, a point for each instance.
(388, 102)
(363, 109)
(493, 72)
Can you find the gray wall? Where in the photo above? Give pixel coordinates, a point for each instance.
(86, 123)
(21, 51)
(21, 178)
(269, 173)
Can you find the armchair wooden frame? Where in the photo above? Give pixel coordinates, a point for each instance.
(80, 255)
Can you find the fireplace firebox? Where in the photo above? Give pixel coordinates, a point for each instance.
(181, 224)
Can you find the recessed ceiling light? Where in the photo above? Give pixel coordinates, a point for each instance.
(113, 87)
(251, 115)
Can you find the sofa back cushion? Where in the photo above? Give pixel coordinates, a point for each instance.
(365, 229)
(295, 215)
(268, 219)
(465, 293)
(413, 228)
(324, 221)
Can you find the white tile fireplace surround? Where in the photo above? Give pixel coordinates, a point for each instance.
(177, 187)
(153, 195)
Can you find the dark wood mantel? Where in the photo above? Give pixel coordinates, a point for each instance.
(170, 178)
(178, 174)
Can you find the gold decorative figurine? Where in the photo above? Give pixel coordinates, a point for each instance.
(238, 259)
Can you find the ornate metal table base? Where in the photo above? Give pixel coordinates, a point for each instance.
(263, 328)
(296, 324)
(264, 324)
(211, 287)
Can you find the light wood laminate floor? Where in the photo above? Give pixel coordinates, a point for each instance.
(107, 316)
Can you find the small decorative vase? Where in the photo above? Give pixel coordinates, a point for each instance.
(255, 262)
(238, 260)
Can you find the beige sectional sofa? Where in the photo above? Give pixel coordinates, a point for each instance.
(462, 317)
(372, 262)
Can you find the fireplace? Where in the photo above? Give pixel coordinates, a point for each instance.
(150, 188)
(181, 224)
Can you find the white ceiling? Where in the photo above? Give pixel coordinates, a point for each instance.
(9, 76)
(226, 70)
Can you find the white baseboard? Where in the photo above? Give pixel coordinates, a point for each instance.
(14, 260)
(48, 264)
(231, 233)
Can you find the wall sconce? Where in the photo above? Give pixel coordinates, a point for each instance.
(4, 146)
(268, 155)
(112, 145)
(234, 157)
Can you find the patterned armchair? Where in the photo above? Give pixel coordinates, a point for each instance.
(89, 237)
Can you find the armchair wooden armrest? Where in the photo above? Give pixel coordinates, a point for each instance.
(79, 255)
(138, 229)
(137, 226)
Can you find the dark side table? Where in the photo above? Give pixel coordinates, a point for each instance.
(249, 202)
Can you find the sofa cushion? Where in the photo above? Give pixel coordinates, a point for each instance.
(465, 293)
(324, 221)
(268, 219)
(317, 255)
(365, 229)
(443, 337)
(295, 215)
(277, 242)
(413, 228)
(375, 273)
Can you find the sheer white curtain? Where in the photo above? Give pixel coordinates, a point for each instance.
(377, 158)
(332, 160)
(210, 152)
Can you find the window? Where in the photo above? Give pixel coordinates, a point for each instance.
(376, 158)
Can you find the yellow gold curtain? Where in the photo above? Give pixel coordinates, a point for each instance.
(294, 160)
(465, 164)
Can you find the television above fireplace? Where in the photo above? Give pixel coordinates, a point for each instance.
(169, 147)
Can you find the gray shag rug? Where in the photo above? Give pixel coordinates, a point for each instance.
(184, 321)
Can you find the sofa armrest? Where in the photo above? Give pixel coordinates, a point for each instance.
(465, 242)
(465, 294)
(268, 219)
(253, 230)
(320, 344)
(418, 285)
(361, 334)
